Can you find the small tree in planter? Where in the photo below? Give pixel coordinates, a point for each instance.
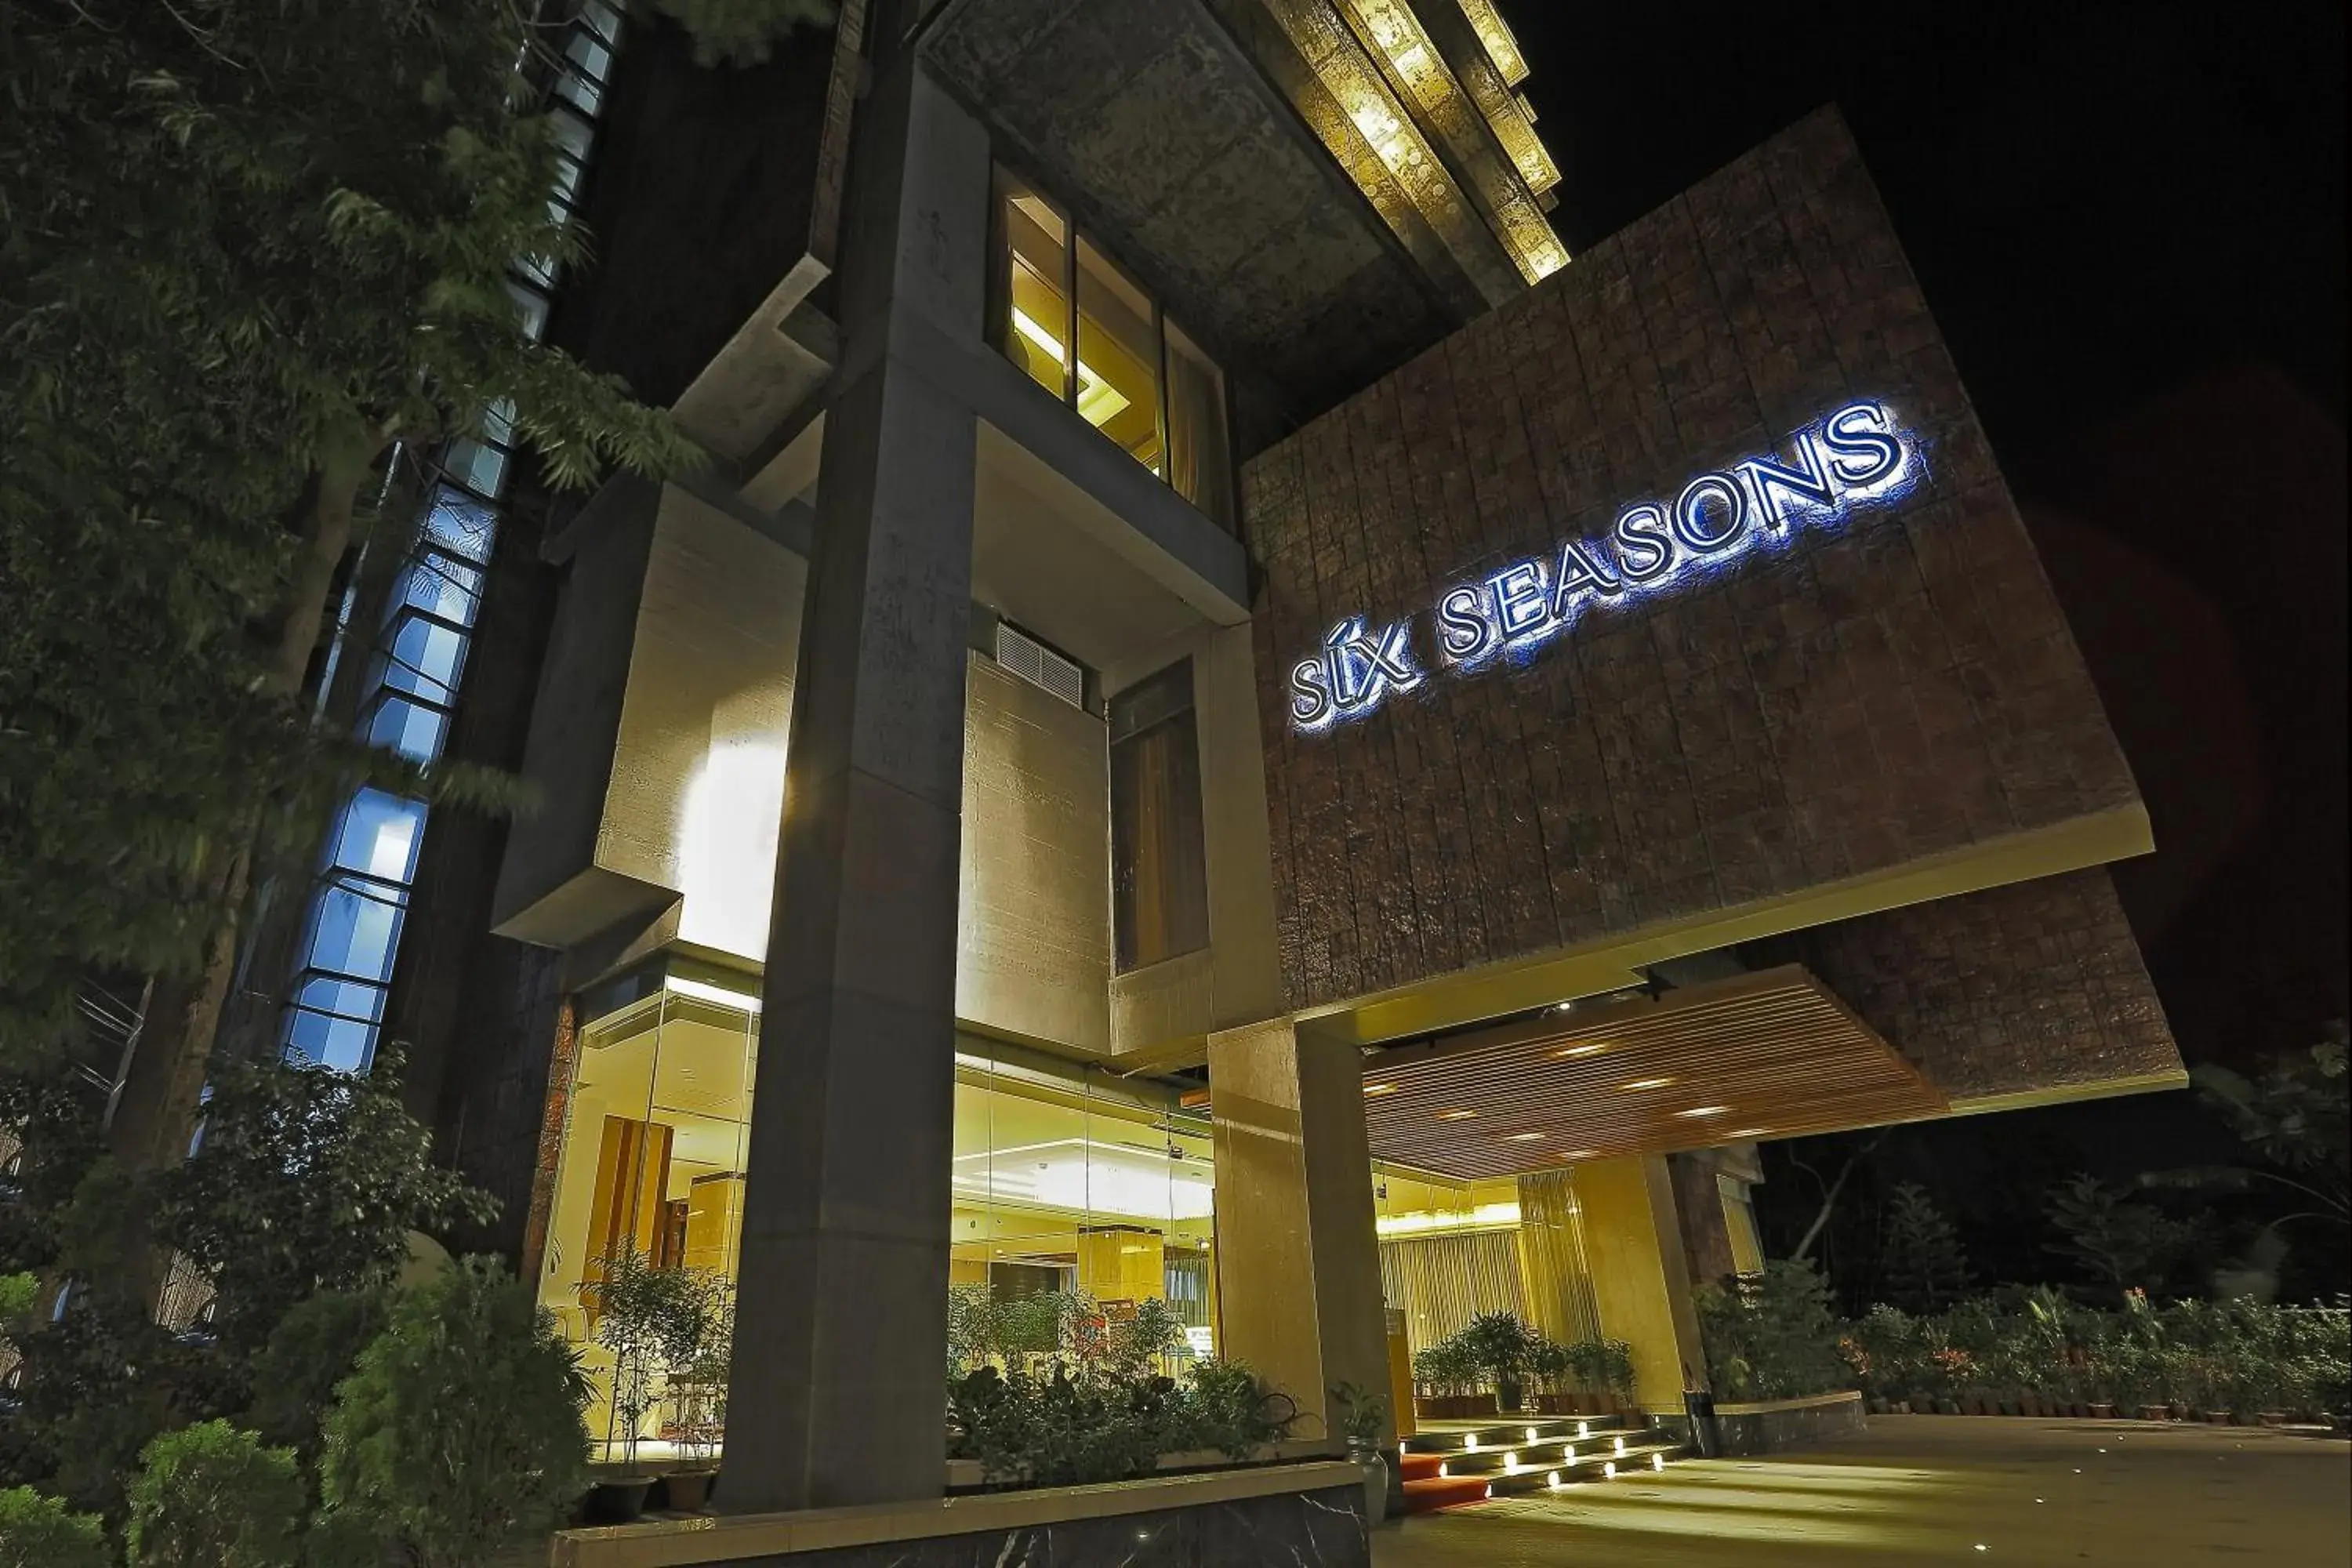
(654, 1321)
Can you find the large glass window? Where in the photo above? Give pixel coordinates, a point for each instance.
(1062, 1183)
(1159, 881)
(1134, 376)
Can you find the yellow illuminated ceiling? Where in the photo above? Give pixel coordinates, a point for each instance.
(1427, 90)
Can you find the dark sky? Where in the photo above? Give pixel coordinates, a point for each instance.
(2129, 222)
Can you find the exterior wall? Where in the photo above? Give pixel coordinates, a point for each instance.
(1900, 687)
(2028, 988)
(1032, 945)
(712, 174)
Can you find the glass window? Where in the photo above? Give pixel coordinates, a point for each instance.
(652, 1165)
(1034, 332)
(1134, 376)
(1160, 882)
(1118, 358)
(1200, 464)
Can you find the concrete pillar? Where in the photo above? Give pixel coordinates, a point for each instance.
(1640, 1276)
(834, 1395)
(1298, 1268)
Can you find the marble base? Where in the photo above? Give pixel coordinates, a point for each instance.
(1287, 1530)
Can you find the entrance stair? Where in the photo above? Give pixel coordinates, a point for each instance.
(1448, 1464)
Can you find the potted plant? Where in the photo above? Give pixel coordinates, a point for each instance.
(1498, 1344)
(1364, 1421)
(1553, 1367)
(1449, 1373)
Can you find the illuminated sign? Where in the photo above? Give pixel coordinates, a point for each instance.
(1857, 456)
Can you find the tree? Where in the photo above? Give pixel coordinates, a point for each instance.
(2117, 1241)
(1921, 1264)
(245, 249)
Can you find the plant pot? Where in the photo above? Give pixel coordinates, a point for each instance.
(686, 1492)
(1375, 1469)
(619, 1500)
(2156, 1411)
(2101, 1411)
(2218, 1418)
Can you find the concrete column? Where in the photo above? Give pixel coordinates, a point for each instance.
(834, 1396)
(1640, 1276)
(1298, 1268)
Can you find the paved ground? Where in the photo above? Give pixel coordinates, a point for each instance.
(1933, 1489)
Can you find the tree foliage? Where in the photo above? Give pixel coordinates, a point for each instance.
(2121, 1242)
(1921, 1261)
(307, 1180)
(37, 1532)
(245, 246)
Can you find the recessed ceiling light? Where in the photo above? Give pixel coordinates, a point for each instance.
(1529, 1137)
(1747, 1132)
(1569, 1053)
(1704, 1111)
(1581, 1154)
(1642, 1083)
(1380, 1088)
(1456, 1115)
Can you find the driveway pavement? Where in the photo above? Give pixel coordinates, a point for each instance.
(1933, 1489)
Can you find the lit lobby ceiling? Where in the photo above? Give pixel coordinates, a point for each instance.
(1768, 1055)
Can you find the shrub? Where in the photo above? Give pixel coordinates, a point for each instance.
(314, 1347)
(1499, 1345)
(1072, 1425)
(210, 1496)
(460, 1430)
(38, 1532)
(1772, 1335)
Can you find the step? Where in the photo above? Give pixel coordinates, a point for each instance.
(1591, 1454)
(1452, 1437)
(1430, 1495)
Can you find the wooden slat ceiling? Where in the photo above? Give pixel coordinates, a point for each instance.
(1767, 1055)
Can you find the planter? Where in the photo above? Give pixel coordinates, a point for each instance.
(1367, 1459)
(686, 1492)
(620, 1500)
(2100, 1412)
(2156, 1411)
(1454, 1406)
(2218, 1418)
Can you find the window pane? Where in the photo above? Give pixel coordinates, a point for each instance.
(1037, 313)
(379, 835)
(1199, 464)
(1159, 884)
(1118, 357)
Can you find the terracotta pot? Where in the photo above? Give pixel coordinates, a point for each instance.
(686, 1492)
(2100, 1412)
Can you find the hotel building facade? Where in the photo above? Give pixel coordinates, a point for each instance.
(1226, 723)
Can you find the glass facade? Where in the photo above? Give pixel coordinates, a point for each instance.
(1082, 329)
(1450, 1250)
(351, 935)
(1060, 1180)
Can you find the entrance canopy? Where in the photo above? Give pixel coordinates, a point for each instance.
(1767, 1055)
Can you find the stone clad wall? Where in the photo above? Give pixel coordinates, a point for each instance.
(1898, 686)
(2034, 987)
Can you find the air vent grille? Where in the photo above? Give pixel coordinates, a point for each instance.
(1040, 665)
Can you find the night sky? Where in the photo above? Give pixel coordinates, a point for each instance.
(2129, 222)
